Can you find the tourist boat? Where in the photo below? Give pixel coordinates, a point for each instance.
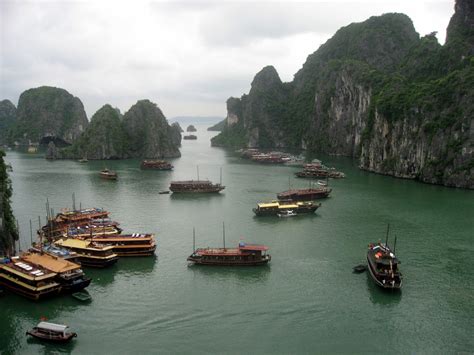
(244, 255)
(129, 244)
(69, 275)
(90, 253)
(85, 231)
(52, 332)
(383, 265)
(190, 137)
(286, 213)
(309, 194)
(198, 186)
(274, 207)
(83, 160)
(313, 174)
(108, 174)
(270, 158)
(156, 165)
(28, 280)
(86, 214)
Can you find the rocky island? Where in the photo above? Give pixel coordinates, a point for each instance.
(398, 103)
(143, 132)
(47, 114)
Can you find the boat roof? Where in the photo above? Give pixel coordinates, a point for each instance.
(282, 204)
(79, 243)
(52, 326)
(244, 246)
(50, 262)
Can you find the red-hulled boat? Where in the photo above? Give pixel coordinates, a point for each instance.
(309, 194)
(196, 186)
(243, 255)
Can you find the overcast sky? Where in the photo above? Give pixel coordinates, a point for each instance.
(188, 57)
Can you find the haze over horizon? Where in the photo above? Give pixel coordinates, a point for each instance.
(187, 57)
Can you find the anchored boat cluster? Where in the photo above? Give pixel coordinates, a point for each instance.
(69, 241)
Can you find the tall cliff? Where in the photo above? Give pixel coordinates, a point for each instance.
(7, 119)
(104, 138)
(399, 104)
(142, 132)
(150, 134)
(49, 113)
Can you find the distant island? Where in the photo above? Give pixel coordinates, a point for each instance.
(54, 118)
(398, 104)
(191, 128)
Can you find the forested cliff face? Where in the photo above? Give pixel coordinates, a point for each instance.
(46, 113)
(7, 119)
(8, 230)
(399, 104)
(142, 132)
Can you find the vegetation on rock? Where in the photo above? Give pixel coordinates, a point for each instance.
(8, 230)
(375, 91)
(7, 119)
(46, 113)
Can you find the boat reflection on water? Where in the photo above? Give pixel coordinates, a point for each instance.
(195, 195)
(137, 266)
(381, 296)
(234, 274)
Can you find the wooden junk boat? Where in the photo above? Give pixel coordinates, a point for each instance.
(52, 332)
(27, 279)
(156, 165)
(273, 208)
(90, 253)
(68, 274)
(309, 194)
(383, 265)
(195, 186)
(108, 174)
(128, 244)
(244, 255)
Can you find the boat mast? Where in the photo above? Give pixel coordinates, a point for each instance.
(386, 238)
(194, 240)
(220, 176)
(73, 202)
(31, 233)
(223, 233)
(394, 244)
(40, 235)
(197, 168)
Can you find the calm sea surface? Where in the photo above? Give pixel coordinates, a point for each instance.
(307, 300)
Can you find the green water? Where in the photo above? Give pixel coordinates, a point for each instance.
(307, 300)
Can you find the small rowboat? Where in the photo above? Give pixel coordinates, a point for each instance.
(83, 296)
(164, 192)
(51, 332)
